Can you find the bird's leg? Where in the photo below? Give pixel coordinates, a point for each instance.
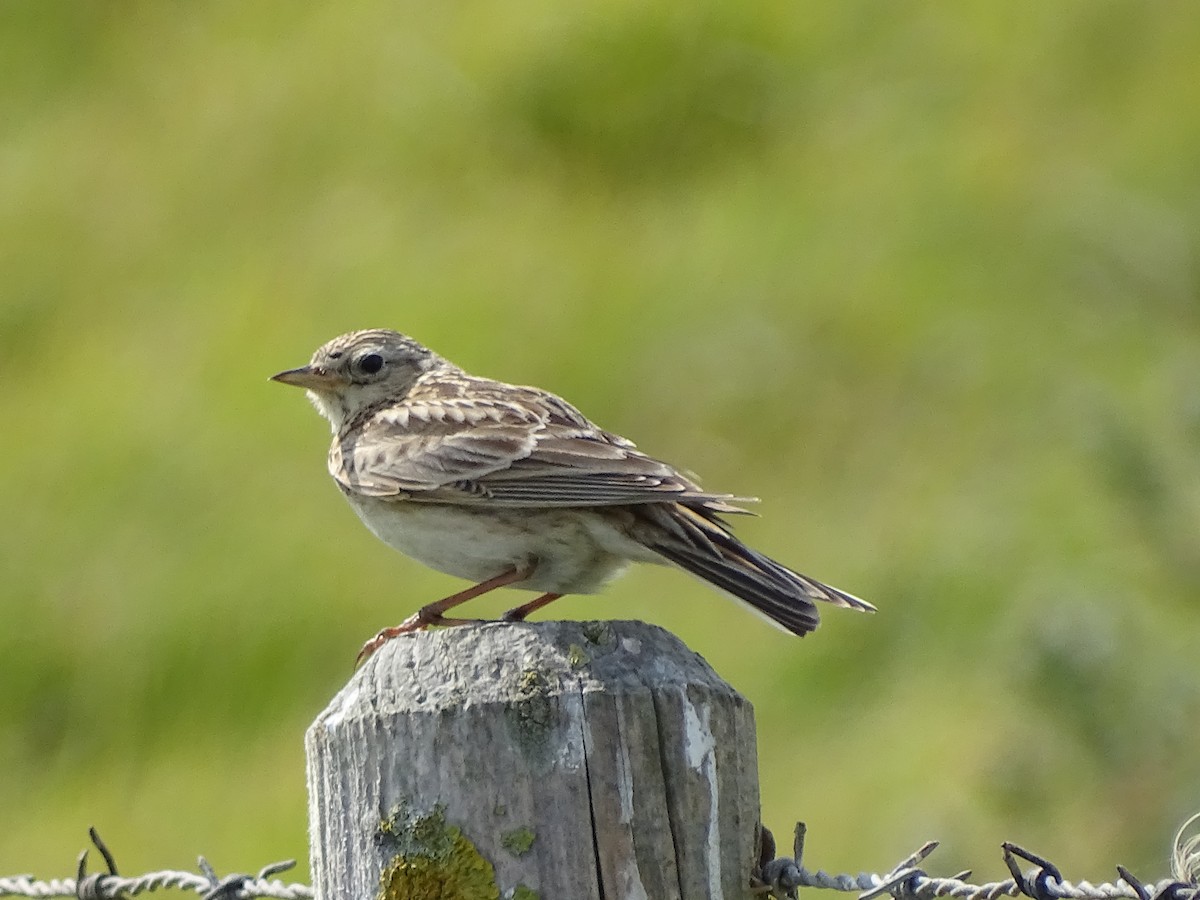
(518, 613)
(431, 614)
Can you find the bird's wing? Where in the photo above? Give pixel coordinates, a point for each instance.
(530, 449)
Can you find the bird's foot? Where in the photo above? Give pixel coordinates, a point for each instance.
(518, 613)
(418, 621)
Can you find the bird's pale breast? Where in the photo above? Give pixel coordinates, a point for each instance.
(572, 551)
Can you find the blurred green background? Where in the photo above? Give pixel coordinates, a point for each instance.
(924, 278)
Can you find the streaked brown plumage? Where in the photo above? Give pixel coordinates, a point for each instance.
(511, 485)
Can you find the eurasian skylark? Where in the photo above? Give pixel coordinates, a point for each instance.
(509, 485)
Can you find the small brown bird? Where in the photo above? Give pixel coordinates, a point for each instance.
(508, 485)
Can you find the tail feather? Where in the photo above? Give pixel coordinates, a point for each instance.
(695, 539)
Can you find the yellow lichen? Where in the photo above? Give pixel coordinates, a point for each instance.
(577, 657)
(532, 682)
(435, 860)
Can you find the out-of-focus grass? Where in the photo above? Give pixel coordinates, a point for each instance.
(924, 280)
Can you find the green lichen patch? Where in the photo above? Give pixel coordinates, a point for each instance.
(532, 717)
(532, 682)
(433, 860)
(521, 892)
(600, 633)
(577, 657)
(519, 841)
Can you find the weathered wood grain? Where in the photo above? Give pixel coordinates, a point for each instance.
(565, 760)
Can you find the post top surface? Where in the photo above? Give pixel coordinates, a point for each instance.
(501, 662)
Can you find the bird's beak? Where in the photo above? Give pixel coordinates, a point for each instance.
(315, 378)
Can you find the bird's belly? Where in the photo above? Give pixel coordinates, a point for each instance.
(571, 551)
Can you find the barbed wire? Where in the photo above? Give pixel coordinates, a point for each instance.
(777, 878)
(781, 877)
(110, 885)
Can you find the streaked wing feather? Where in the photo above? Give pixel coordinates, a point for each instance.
(414, 464)
(576, 490)
(536, 454)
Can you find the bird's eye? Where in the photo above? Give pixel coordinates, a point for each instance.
(371, 363)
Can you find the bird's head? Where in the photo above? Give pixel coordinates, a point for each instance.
(360, 370)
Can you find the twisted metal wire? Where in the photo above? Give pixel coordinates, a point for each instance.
(776, 878)
(782, 877)
(110, 885)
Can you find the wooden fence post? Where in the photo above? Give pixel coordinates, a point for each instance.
(550, 760)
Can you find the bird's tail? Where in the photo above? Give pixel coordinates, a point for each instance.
(695, 539)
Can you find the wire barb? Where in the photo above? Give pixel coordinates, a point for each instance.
(1136, 884)
(905, 871)
(93, 887)
(776, 877)
(1036, 885)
